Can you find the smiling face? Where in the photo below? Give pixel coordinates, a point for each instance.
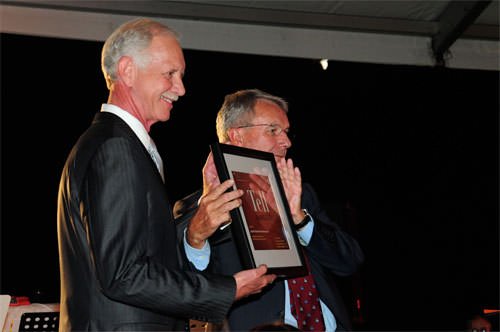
(148, 83)
(266, 131)
(159, 83)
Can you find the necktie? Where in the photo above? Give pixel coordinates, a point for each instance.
(156, 158)
(304, 302)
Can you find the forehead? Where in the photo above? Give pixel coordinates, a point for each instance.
(166, 46)
(266, 110)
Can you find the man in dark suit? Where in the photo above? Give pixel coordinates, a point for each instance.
(255, 119)
(120, 265)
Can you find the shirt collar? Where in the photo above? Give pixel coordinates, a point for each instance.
(132, 122)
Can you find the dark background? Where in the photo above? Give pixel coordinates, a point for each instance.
(407, 155)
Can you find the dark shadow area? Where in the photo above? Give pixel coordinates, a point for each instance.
(407, 156)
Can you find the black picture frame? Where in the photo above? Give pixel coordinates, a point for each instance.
(262, 227)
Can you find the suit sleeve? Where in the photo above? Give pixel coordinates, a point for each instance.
(125, 216)
(330, 245)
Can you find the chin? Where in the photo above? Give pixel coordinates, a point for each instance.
(166, 116)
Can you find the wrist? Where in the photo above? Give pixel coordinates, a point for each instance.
(307, 219)
(298, 216)
(193, 241)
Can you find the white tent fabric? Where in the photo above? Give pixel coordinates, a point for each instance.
(298, 37)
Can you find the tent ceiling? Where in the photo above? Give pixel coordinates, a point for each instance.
(462, 34)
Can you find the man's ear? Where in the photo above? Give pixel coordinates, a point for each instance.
(126, 70)
(235, 136)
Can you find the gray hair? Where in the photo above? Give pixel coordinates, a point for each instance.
(238, 110)
(130, 39)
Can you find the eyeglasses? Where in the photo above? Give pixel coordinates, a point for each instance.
(272, 129)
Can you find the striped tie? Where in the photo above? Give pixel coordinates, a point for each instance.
(156, 158)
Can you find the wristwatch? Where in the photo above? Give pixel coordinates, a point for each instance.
(304, 221)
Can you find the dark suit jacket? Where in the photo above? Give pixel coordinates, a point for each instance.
(121, 267)
(331, 252)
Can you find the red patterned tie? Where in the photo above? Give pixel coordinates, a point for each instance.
(304, 302)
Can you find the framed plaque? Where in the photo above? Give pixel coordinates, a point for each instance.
(262, 227)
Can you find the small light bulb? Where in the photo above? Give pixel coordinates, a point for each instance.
(324, 63)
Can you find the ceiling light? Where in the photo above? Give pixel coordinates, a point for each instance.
(324, 63)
